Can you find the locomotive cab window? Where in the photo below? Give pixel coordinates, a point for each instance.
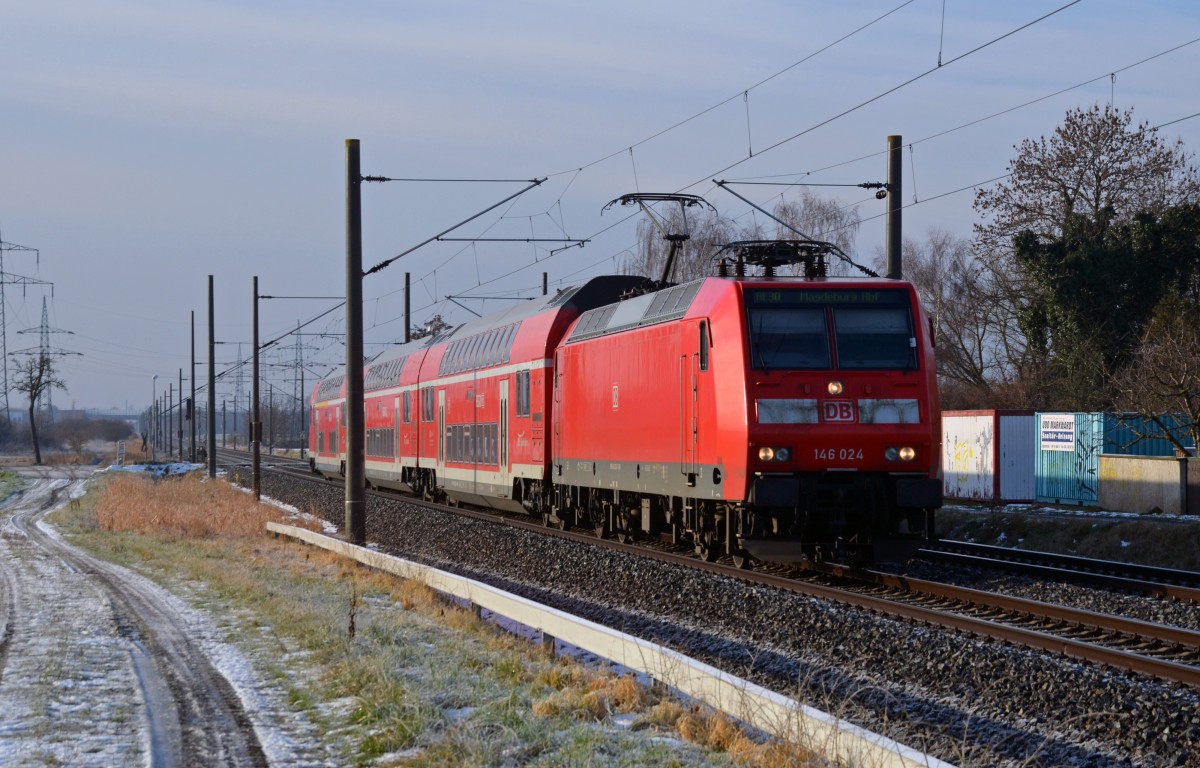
(831, 329)
(875, 338)
(789, 337)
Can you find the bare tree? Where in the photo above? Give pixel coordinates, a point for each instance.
(816, 217)
(432, 327)
(1162, 386)
(35, 377)
(970, 333)
(709, 231)
(1096, 161)
(821, 219)
(1063, 239)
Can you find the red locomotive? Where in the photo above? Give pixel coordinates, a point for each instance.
(768, 417)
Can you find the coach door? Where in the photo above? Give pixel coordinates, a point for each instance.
(396, 433)
(441, 433)
(693, 359)
(504, 477)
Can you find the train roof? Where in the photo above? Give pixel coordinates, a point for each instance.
(594, 292)
(647, 309)
(674, 302)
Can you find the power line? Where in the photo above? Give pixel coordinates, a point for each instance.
(740, 93)
(994, 115)
(889, 91)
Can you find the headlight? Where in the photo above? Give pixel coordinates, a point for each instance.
(835, 388)
(900, 454)
(767, 453)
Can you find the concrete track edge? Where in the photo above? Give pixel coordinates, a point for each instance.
(784, 718)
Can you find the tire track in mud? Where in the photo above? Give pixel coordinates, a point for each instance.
(189, 713)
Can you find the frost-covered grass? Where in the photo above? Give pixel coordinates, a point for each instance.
(10, 483)
(387, 671)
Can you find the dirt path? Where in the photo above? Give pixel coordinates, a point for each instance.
(97, 666)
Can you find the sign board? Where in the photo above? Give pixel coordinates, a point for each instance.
(1057, 431)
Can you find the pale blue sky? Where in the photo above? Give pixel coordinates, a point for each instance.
(146, 145)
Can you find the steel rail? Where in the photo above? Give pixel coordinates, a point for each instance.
(977, 598)
(1130, 577)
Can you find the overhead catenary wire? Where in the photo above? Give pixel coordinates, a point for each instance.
(991, 116)
(844, 113)
(824, 122)
(577, 171)
(723, 102)
(890, 91)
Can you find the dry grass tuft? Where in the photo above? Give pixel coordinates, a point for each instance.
(628, 695)
(187, 507)
(693, 727)
(594, 705)
(560, 677)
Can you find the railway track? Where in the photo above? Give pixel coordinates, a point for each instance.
(1127, 577)
(1164, 652)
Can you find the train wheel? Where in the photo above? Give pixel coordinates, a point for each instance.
(598, 518)
(742, 560)
(622, 527)
(707, 546)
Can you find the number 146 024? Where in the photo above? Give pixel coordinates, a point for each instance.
(837, 454)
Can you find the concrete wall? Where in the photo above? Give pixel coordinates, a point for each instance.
(987, 455)
(1143, 484)
(1193, 486)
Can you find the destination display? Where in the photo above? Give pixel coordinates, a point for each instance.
(810, 297)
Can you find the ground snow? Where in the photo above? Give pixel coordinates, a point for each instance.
(68, 693)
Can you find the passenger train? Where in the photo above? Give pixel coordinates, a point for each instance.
(757, 416)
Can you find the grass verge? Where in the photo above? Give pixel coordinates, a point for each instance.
(387, 671)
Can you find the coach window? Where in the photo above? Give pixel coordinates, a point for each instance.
(408, 407)
(493, 354)
(506, 343)
(485, 351)
(522, 393)
(427, 404)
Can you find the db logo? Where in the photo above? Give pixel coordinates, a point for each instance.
(838, 410)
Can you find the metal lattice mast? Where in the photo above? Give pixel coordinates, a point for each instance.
(7, 279)
(298, 385)
(238, 380)
(45, 352)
